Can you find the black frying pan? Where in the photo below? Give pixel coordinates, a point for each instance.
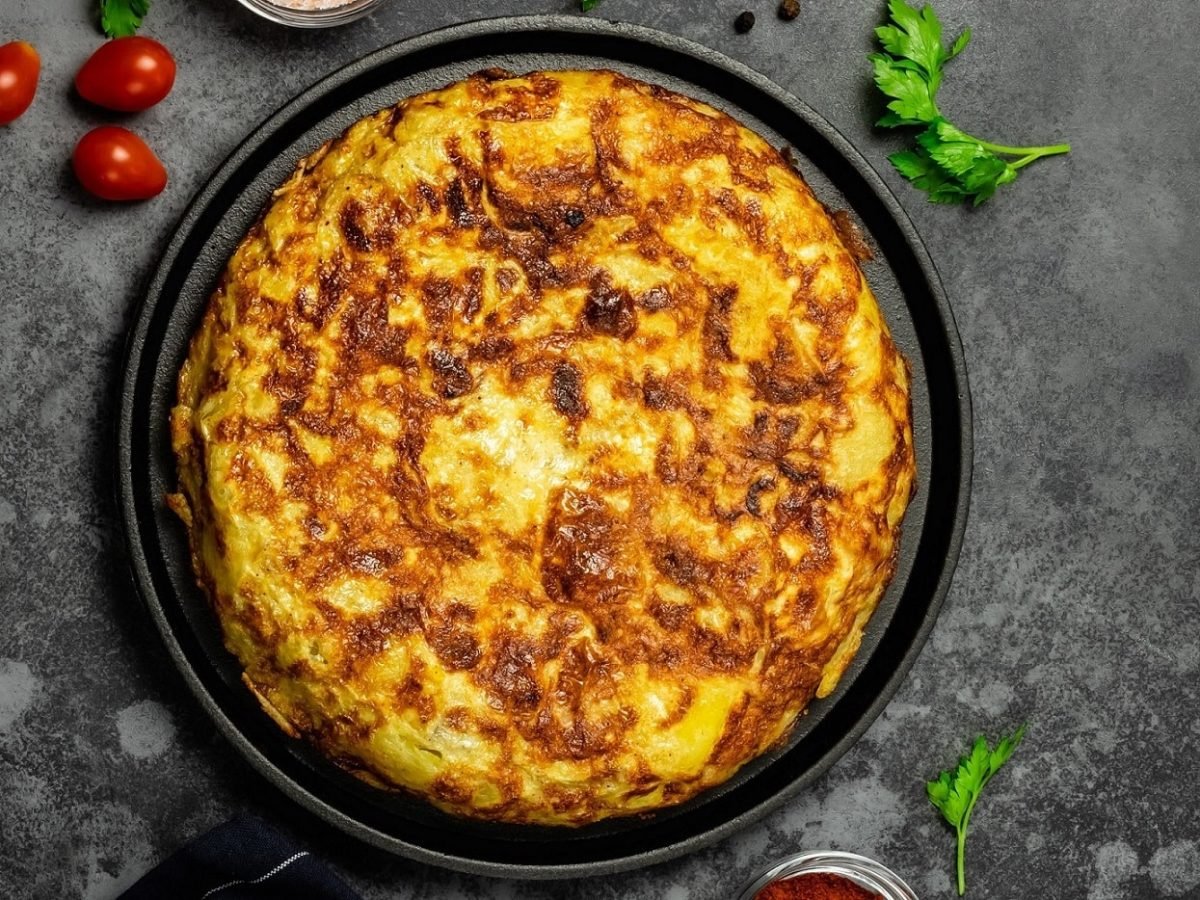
(902, 277)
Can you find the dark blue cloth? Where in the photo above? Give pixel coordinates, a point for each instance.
(244, 859)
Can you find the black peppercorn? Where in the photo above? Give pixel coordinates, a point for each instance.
(744, 22)
(789, 9)
(574, 218)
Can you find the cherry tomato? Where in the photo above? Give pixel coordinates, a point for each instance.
(19, 67)
(115, 164)
(127, 74)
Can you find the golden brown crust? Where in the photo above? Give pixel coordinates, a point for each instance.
(543, 447)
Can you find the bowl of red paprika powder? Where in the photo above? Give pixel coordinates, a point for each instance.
(827, 875)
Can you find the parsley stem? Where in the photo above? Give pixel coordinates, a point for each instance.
(962, 833)
(962, 851)
(1033, 152)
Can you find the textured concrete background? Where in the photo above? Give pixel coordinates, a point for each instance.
(1077, 599)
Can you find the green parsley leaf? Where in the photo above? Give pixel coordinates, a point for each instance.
(588, 5)
(954, 151)
(121, 18)
(912, 99)
(948, 132)
(916, 36)
(1005, 749)
(919, 168)
(911, 163)
(939, 790)
(954, 793)
(960, 43)
(957, 158)
(950, 165)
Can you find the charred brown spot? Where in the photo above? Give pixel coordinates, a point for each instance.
(780, 381)
(577, 666)
(605, 139)
(367, 228)
(759, 487)
(660, 393)
(666, 465)
(396, 116)
(290, 386)
(457, 718)
(455, 647)
(584, 741)
(725, 652)
(791, 672)
(851, 235)
(429, 196)
(803, 510)
(739, 734)
(746, 215)
(544, 86)
(574, 218)
(506, 279)
(513, 99)
(609, 310)
(369, 562)
(510, 673)
(473, 295)
(494, 73)
(333, 280)
(670, 616)
(464, 194)
(463, 205)
(584, 561)
(563, 624)
(365, 331)
(493, 348)
(352, 227)
(369, 635)
(566, 391)
(777, 386)
(654, 299)
(456, 205)
(794, 473)
(448, 789)
(442, 298)
(437, 297)
(452, 378)
(716, 331)
(681, 564)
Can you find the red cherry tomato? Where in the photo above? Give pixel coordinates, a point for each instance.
(19, 67)
(115, 164)
(127, 74)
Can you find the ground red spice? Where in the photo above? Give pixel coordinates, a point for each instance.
(816, 886)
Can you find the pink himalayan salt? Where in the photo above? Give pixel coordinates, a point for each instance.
(311, 4)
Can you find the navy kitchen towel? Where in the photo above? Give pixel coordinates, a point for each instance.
(244, 859)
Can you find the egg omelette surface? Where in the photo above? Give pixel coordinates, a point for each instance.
(543, 450)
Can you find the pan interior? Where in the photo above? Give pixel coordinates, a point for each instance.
(901, 277)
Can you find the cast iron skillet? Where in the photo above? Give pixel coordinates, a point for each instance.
(902, 277)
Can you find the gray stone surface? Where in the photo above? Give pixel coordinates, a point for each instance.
(1076, 602)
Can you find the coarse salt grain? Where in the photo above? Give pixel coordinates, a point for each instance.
(311, 4)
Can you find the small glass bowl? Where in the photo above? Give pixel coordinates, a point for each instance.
(311, 18)
(862, 871)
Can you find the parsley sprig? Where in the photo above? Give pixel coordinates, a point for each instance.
(121, 18)
(949, 164)
(955, 793)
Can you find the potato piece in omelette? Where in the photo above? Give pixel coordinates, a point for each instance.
(543, 450)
